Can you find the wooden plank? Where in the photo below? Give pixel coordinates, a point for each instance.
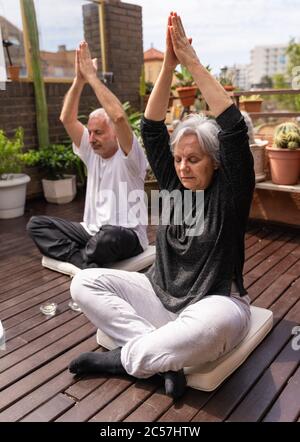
(27, 351)
(263, 241)
(20, 398)
(186, 408)
(119, 408)
(151, 408)
(239, 384)
(51, 410)
(34, 296)
(32, 317)
(98, 399)
(30, 283)
(85, 385)
(266, 280)
(287, 406)
(47, 353)
(22, 301)
(42, 327)
(267, 389)
(267, 251)
(11, 346)
(275, 290)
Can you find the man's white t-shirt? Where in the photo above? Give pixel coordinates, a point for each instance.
(115, 189)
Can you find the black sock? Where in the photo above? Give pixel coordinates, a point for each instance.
(106, 362)
(175, 383)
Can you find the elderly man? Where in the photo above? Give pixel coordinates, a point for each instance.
(112, 227)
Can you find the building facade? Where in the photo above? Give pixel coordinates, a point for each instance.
(267, 61)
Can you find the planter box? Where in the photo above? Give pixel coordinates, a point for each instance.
(12, 195)
(60, 191)
(251, 106)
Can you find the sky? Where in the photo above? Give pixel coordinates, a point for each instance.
(223, 31)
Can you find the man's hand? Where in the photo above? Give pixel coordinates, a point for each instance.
(181, 44)
(86, 67)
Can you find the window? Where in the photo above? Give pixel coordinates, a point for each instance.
(61, 28)
(12, 33)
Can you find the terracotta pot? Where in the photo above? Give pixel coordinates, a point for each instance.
(285, 165)
(251, 106)
(14, 73)
(187, 95)
(228, 88)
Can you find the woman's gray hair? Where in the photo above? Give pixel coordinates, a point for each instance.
(100, 113)
(206, 130)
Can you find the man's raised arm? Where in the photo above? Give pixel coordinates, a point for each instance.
(107, 99)
(69, 111)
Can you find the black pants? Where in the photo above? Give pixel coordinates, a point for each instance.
(69, 241)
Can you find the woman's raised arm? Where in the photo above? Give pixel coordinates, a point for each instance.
(214, 94)
(158, 101)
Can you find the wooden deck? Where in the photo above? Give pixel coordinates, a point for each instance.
(35, 384)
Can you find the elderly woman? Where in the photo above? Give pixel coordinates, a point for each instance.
(191, 307)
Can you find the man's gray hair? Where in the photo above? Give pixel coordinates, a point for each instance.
(100, 113)
(206, 131)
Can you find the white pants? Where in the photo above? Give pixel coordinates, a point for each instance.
(125, 307)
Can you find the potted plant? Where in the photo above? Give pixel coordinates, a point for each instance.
(55, 160)
(226, 79)
(251, 103)
(13, 70)
(185, 87)
(284, 155)
(13, 183)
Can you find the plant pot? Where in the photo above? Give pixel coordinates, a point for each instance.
(187, 95)
(13, 195)
(14, 73)
(228, 88)
(60, 191)
(251, 106)
(285, 165)
(258, 152)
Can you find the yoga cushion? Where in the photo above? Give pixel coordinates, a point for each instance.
(133, 264)
(209, 376)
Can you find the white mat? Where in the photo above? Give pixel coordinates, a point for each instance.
(133, 264)
(209, 376)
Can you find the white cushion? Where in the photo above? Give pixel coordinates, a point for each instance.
(133, 264)
(208, 377)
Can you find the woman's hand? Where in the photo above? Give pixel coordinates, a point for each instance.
(183, 50)
(170, 59)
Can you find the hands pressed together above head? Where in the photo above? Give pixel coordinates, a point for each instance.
(178, 45)
(85, 66)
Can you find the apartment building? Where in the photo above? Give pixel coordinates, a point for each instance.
(267, 60)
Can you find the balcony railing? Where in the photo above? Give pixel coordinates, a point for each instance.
(276, 114)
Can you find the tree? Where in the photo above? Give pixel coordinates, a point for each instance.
(39, 87)
(280, 81)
